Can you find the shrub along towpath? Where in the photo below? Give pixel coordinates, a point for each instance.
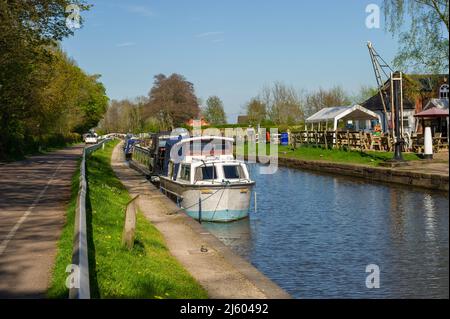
(222, 273)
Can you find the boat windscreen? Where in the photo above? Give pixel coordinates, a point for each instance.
(233, 172)
(205, 173)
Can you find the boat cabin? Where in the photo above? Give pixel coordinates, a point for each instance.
(198, 172)
(201, 160)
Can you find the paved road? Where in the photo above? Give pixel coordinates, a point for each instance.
(33, 198)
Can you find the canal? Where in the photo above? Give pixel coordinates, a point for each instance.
(315, 234)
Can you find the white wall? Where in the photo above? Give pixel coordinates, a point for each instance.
(411, 121)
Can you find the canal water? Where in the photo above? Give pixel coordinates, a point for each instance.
(314, 235)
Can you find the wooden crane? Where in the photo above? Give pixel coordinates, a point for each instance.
(396, 97)
(380, 66)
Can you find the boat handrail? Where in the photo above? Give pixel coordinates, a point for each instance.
(142, 149)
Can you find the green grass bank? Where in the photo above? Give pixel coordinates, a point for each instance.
(147, 271)
(312, 153)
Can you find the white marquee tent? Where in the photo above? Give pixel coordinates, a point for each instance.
(337, 113)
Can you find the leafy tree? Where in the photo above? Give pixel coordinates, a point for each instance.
(424, 35)
(256, 111)
(43, 93)
(172, 101)
(214, 112)
(93, 103)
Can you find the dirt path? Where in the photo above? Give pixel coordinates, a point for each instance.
(222, 273)
(33, 198)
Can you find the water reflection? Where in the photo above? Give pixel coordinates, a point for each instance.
(397, 214)
(430, 220)
(315, 234)
(236, 235)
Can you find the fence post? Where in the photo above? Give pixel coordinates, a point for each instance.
(129, 226)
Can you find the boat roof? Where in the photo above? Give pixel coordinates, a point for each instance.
(207, 137)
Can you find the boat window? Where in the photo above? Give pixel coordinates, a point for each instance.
(209, 147)
(205, 173)
(185, 172)
(233, 171)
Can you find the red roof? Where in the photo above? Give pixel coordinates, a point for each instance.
(433, 112)
(203, 122)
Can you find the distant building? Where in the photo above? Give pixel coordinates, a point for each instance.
(435, 115)
(242, 119)
(418, 91)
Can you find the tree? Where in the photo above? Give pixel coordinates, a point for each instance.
(322, 98)
(256, 111)
(283, 104)
(67, 98)
(29, 63)
(122, 116)
(424, 43)
(172, 101)
(365, 93)
(213, 111)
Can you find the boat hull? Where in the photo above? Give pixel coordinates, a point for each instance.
(219, 203)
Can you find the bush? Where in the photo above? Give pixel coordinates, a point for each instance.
(21, 145)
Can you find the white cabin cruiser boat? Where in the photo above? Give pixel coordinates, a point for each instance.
(206, 180)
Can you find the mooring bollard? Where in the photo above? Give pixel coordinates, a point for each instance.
(428, 147)
(129, 227)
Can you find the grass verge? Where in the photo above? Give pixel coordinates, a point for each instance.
(311, 153)
(148, 270)
(58, 289)
(372, 158)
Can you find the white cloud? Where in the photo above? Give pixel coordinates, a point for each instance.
(125, 44)
(140, 10)
(209, 34)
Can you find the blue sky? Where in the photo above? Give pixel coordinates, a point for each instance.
(228, 48)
